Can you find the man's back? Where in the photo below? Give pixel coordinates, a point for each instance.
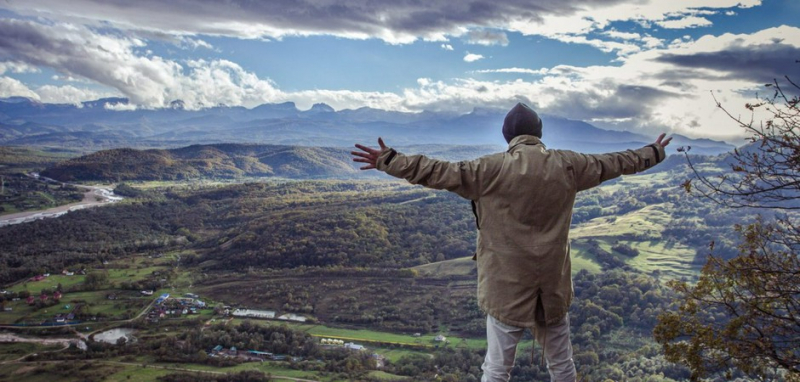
(523, 202)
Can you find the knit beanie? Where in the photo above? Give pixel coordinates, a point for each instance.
(521, 120)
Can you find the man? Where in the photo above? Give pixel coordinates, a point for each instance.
(523, 200)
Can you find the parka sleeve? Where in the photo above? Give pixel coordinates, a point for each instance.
(593, 169)
(463, 178)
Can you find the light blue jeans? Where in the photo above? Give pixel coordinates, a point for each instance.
(502, 343)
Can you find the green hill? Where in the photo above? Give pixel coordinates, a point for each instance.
(204, 161)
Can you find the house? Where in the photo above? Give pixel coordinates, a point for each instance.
(352, 346)
(252, 313)
(147, 292)
(440, 338)
(262, 355)
(163, 298)
(37, 278)
(30, 300)
(57, 296)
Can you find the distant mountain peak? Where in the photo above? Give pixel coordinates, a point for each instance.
(321, 108)
(102, 102)
(17, 99)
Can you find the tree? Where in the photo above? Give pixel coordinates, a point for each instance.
(745, 312)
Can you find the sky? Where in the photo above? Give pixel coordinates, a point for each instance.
(646, 66)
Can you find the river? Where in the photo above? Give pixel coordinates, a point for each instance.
(94, 196)
(6, 337)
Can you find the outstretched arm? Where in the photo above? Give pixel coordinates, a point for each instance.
(464, 178)
(591, 170)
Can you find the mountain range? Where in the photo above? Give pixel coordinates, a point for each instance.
(101, 124)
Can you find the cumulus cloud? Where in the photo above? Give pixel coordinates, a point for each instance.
(487, 37)
(472, 57)
(11, 87)
(112, 61)
(649, 90)
(447, 47)
(70, 94)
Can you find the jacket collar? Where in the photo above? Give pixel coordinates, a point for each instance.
(524, 140)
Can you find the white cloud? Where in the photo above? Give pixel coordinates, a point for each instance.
(119, 106)
(17, 67)
(447, 47)
(70, 95)
(472, 57)
(622, 35)
(623, 48)
(730, 13)
(10, 87)
(195, 43)
(685, 22)
(515, 70)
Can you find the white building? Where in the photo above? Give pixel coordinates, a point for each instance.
(292, 317)
(352, 346)
(252, 313)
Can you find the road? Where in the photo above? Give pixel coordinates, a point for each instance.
(94, 196)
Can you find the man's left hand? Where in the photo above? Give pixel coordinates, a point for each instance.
(368, 155)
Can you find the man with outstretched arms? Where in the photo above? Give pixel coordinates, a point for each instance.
(522, 199)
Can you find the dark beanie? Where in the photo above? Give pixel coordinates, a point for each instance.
(521, 120)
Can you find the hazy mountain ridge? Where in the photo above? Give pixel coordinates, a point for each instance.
(231, 160)
(93, 125)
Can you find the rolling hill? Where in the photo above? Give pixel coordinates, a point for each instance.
(231, 161)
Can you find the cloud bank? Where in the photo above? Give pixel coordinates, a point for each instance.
(654, 85)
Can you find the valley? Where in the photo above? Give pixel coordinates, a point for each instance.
(368, 261)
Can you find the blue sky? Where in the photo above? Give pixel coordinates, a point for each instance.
(649, 66)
